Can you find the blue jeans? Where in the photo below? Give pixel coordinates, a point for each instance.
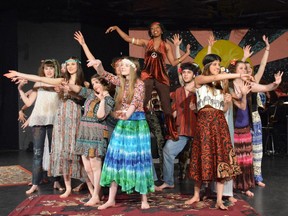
(39, 134)
(170, 152)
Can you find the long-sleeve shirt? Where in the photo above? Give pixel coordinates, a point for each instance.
(139, 92)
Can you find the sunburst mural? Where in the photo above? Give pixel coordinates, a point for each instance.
(229, 44)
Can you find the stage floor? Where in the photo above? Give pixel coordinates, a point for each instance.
(268, 201)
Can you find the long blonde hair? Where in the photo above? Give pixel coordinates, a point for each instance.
(132, 81)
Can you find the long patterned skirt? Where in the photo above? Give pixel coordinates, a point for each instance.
(128, 160)
(257, 145)
(63, 160)
(243, 150)
(213, 157)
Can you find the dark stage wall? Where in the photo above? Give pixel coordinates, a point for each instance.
(25, 44)
(8, 92)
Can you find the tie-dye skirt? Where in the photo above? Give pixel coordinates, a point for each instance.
(128, 160)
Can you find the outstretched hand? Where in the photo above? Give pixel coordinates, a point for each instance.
(11, 74)
(93, 62)
(79, 37)
(110, 29)
(188, 49)
(266, 41)
(245, 88)
(247, 52)
(278, 77)
(176, 40)
(211, 40)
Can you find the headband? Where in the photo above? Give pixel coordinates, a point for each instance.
(127, 61)
(73, 60)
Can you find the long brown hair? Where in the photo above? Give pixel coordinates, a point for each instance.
(49, 63)
(207, 61)
(79, 73)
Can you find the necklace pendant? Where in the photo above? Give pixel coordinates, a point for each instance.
(154, 55)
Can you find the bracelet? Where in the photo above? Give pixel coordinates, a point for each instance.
(267, 50)
(179, 61)
(133, 40)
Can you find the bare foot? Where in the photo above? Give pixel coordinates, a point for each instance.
(66, 194)
(232, 199)
(145, 205)
(157, 188)
(249, 193)
(221, 206)
(107, 205)
(165, 185)
(57, 186)
(80, 187)
(260, 184)
(33, 189)
(93, 201)
(192, 200)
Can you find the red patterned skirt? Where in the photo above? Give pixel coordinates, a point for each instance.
(212, 157)
(243, 150)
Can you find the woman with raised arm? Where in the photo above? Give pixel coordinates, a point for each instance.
(257, 142)
(213, 157)
(242, 126)
(154, 73)
(128, 161)
(42, 117)
(63, 160)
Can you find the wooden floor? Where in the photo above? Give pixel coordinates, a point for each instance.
(269, 201)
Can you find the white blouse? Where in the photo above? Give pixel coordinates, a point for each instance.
(45, 108)
(206, 96)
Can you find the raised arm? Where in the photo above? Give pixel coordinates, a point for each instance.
(177, 41)
(255, 87)
(126, 37)
(211, 41)
(80, 38)
(264, 59)
(171, 58)
(247, 53)
(201, 79)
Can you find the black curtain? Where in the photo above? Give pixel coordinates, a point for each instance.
(8, 91)
(103, 46)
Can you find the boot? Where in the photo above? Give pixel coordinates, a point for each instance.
(171, 127)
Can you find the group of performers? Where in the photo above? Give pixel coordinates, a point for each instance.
(214, 112)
